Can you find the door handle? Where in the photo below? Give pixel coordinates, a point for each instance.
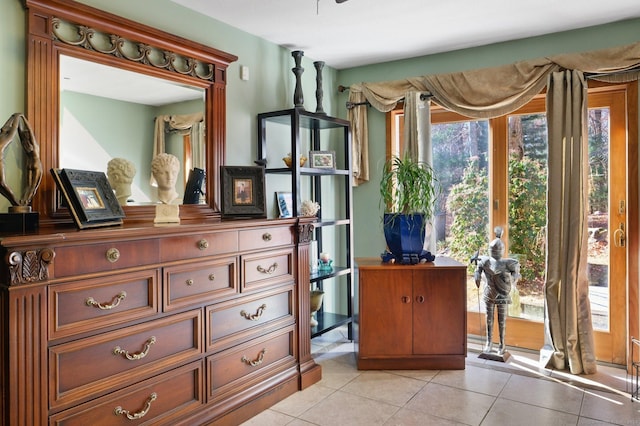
(619, 236)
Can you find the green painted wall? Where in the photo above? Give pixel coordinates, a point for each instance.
(369, 240)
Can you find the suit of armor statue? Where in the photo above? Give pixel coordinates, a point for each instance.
(499, 274)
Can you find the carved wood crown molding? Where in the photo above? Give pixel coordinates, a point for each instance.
(120, 47)
(29, 266)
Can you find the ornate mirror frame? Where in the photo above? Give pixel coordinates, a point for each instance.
(156, 53)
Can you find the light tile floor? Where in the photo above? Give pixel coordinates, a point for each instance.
(517, 392)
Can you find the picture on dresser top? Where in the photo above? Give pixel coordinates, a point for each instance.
(89, 197)
(243, 191)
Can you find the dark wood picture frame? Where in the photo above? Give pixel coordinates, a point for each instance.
(243, 191)
(322, 159)
(89, 197)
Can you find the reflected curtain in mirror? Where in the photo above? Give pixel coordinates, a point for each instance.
(186, 124)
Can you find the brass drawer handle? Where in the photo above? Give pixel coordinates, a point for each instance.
(255, 362)
(266, 236)
(113, 254)
(255, 316)
(114, 302)
(133, 357)
(119, 411)
(270, 270)
(189, 282)
(212, 277)
(203, 244)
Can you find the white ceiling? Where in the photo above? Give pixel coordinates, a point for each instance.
(362, 32)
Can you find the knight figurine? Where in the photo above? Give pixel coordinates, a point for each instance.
(500, 274)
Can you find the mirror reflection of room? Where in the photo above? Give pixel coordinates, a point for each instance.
(108, 113)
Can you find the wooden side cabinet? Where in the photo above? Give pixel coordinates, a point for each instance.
(411, 316)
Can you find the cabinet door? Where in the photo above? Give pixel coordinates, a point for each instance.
(385, 312)
(439, 312)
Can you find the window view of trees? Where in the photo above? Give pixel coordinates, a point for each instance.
(461, 160)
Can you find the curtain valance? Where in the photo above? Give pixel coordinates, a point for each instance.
(486, 92)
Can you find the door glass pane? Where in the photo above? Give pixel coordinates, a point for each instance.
(527, 211)
(460, 160)
(598, 252)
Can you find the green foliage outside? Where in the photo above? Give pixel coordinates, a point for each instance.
(527, 214)
(470, 206)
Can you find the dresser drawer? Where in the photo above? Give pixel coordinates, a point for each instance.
(94, 304)
(199, 282)
(250, 363)
(198, 245)
(89, 258)
(89, 367)
(240, 319)
(263, 269)
(265, 238)
(161, 400)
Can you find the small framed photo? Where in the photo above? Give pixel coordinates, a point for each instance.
(285, 203)
(243, 191)
(322, 159)
(89, 197)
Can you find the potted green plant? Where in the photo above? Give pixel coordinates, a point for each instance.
(409, 190)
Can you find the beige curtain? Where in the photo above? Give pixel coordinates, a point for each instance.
(198, 145)
(568, 329)
(417, 137)
(497, 91)
(357, 116)
(185, 123)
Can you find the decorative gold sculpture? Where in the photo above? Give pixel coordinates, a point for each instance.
(18, 125)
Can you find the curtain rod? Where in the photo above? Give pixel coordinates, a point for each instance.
(630, 70)
(350, 105)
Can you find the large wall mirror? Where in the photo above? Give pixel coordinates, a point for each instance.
(103, 87)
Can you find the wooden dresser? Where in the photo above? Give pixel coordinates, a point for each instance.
(177, 325)
(411, 316)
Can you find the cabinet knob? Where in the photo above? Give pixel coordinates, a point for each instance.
(203, 244)
(212, 277)
(113, 254)
(406, 299)
(189, 282)
(420, 299)
(266, 236)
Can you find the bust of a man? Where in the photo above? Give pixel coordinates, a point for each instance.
(120, 173)
(165, 168)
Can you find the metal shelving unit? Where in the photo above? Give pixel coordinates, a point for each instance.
(297, 132)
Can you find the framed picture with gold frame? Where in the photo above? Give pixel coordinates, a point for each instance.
(89, 196)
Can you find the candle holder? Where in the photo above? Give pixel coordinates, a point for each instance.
(298, 98)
